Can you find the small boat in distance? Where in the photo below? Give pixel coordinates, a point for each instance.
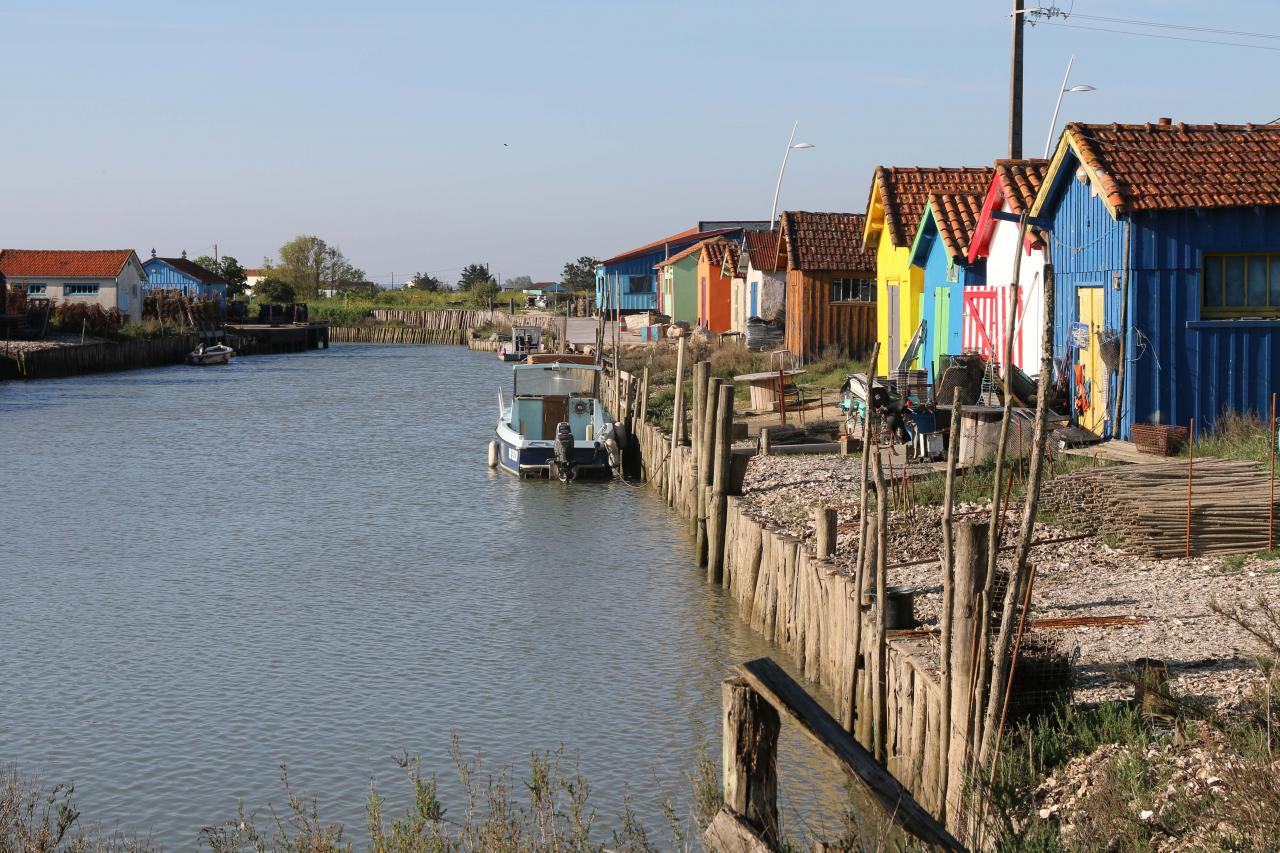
(203, 356)
(525, 340)
(554, 424)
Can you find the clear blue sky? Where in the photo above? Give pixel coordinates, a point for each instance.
(379, 125)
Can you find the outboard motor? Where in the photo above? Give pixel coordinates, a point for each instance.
(562, 464)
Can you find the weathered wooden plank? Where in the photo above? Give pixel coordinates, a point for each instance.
(781, 691)
(729, 833)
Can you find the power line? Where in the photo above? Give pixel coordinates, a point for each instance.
(1162, 36)
(1191, 28)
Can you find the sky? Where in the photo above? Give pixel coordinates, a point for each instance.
(423, 136)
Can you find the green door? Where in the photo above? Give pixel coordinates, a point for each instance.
(941, 328)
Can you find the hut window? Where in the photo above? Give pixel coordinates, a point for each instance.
(640, 284)
(853, 290)
(1241, 285)
(80, 290)
(37, 288)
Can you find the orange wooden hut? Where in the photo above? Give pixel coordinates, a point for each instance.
(716, 262)
(831, 284)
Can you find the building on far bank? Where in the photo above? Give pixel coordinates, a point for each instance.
(253, 277)
(830, 303)
(184, 276)
(112, 278)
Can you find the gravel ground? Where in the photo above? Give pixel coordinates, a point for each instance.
(1210, 658)
(50, 342)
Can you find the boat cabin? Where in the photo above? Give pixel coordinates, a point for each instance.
(544, 395)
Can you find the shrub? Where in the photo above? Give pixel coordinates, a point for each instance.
(275, 290)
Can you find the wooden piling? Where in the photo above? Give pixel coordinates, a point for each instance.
(749, 754)
(701, 373)
(764, 441)
(707, 420)
(677, 419)
(824, 521)
(720, 481)
(966, 628)
(879, 706)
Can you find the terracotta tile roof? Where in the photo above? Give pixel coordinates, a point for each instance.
(256, 272)
(64, 263)
(1169, 166)
(762, 250)
(1020, 181)
(903, 192)
(194, 270)
(956, 216)
(718, 249)
(826, 241)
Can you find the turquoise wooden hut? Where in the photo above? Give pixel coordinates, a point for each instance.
(941, 250)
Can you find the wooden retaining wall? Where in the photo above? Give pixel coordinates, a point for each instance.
(397, 335)
(453, 320)
(809, 608)
(483, 346)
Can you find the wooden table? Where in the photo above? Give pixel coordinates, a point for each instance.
(765, 387)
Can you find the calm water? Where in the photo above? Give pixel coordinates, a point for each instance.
(302, 559)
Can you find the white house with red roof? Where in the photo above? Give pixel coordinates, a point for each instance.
(113, 278)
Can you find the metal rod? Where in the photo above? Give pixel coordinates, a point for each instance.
(1191, 456)
(1271, 504)
(773, 211)
(1054, 123)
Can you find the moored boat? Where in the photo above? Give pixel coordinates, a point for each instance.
(525, 340)
(203, 356)
(554, 424)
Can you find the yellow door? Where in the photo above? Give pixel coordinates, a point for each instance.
(1091, 400)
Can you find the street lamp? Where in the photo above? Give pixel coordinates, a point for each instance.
(791, 144)
(1079, 88)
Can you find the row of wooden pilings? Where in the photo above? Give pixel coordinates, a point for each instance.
(397, 335)
(887, 690)
(457, 319)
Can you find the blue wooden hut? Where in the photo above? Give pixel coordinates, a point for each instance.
(185, 276)
(941, 250)
(1165, 241)
(632, 275)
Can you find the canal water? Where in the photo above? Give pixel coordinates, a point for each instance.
(303, 560)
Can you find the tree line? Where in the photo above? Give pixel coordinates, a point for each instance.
(308, 265)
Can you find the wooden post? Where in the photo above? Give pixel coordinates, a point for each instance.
(701, 372)
(867, 450)
(707, 431)
(677, 421)
(824, 521)
(764, 441)
(966, 628)
(1271, 505)
(948, 581)
(880, 705)
(720, 482)
(749, 753)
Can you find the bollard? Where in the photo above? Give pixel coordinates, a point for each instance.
(764, 441)
(844, 445)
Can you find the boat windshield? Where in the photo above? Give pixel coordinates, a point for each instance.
(555, 382)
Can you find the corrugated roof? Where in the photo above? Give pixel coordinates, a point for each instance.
(826, 241)
(690, 234)
(64, 263)
(1167, 166)
(194, 270)
(903, 192)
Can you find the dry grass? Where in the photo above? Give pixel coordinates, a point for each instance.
(1235, 436)
(35, 818)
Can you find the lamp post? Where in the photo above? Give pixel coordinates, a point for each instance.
(1062, 91)
(791, 143)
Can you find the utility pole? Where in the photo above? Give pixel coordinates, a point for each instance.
(1015, 84)
(215, 254)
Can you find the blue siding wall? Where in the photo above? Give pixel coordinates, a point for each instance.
(161, 276)
(1179, 365)
(936, 263)
(1087, 251)
(623, 270)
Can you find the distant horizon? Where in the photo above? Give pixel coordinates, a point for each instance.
(425, 137)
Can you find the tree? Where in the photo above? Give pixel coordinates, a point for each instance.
(580, 274)
(303, 263)
(518, 282)
(475, 276)
(426, 282)
(230, 270)
(276, 290)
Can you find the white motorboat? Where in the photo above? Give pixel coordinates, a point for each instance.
(203, 356)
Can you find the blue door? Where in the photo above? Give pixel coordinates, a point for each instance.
(754, 310)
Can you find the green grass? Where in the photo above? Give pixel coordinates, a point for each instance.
(1234, 436)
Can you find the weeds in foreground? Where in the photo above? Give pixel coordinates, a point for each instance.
(39, 819)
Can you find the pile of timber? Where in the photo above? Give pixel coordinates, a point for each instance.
(1145, 506)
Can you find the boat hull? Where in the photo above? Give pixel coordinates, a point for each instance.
(525, 461)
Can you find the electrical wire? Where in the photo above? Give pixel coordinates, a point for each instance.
(1187, 27)
(1161, 36)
